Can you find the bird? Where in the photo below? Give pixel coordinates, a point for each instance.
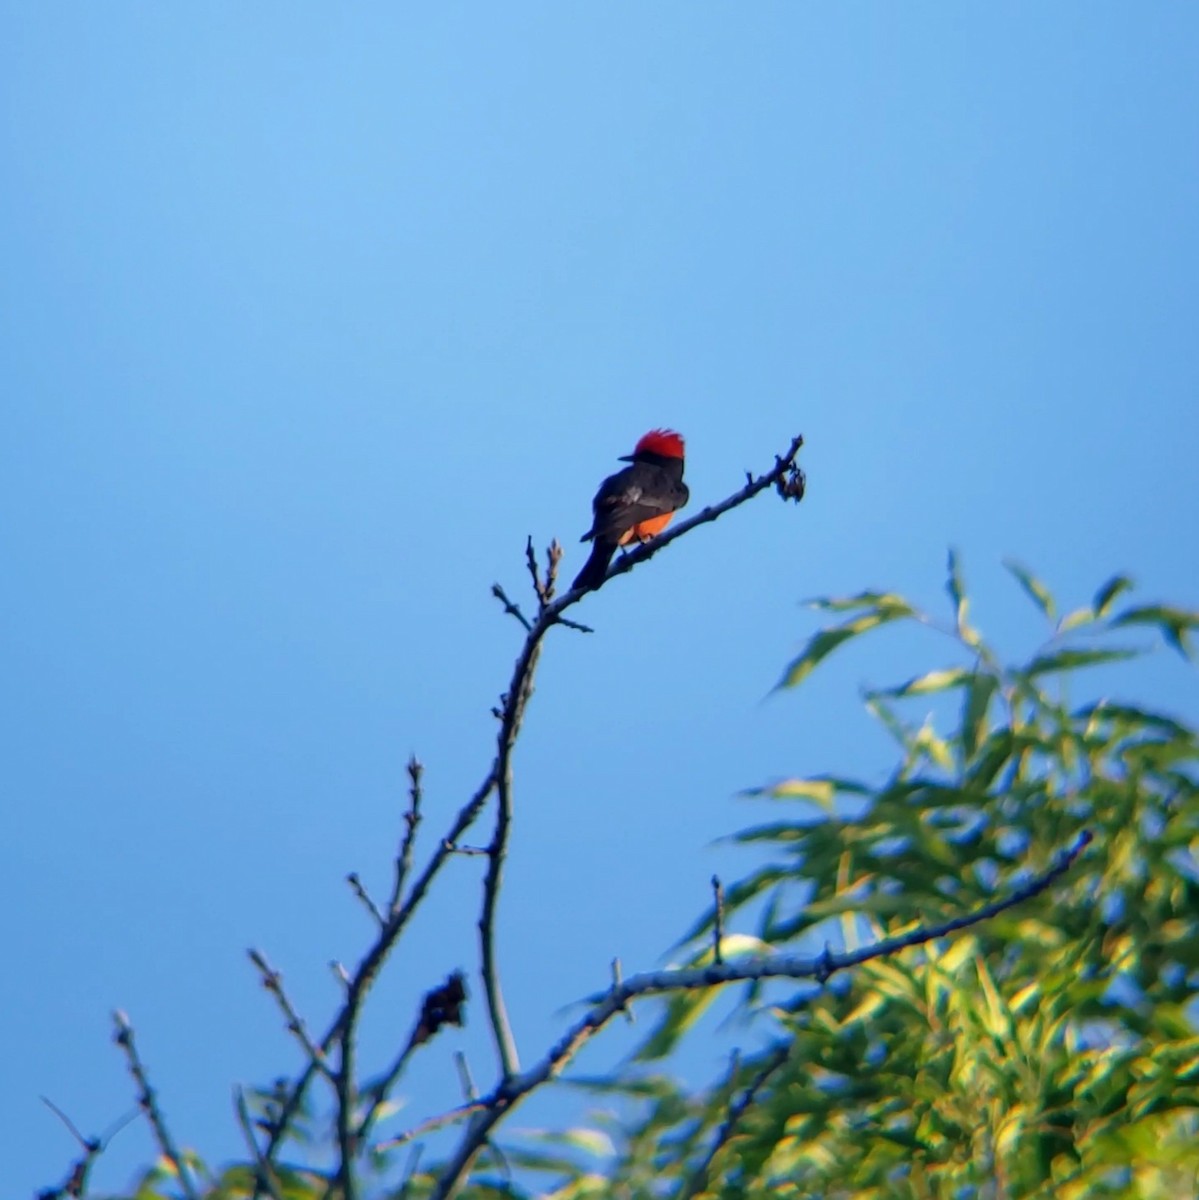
(636, 503)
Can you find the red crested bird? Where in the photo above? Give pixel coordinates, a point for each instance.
(636, 503)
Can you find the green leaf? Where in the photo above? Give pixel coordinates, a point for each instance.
(877, 707)
(839, 604)
(996, 750)
(1036, 591)
(1175, 623)
(979, 693)
(1109, 591)
(822, 644)
(1072, 620)
(814, 787)
(1132, 716)
(961, 603)
(683, 1009)
(931, 681)
(1069, 660)
(820, 791)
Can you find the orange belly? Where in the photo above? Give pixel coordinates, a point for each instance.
(646, 529)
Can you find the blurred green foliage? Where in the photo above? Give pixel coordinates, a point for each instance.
(1052, 1051)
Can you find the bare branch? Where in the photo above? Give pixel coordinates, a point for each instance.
(617, 980)
(511, 608)
(469, 851)
(465, 1078)
(147, 1101)
(347, 1145)
(498, 779)
(777, 966)
(433, 1124)
(496, 853)
(360, 891)
(272, 980)
(534, 571)
(411, 821)
(367, 971)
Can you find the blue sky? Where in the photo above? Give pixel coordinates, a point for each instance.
(309, 315)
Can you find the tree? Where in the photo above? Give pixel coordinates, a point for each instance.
(945, 1000)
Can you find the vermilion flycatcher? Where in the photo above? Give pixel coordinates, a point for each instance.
(636, 503)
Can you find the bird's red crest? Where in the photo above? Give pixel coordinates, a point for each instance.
(661, 441)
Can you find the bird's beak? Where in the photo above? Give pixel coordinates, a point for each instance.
(627, 458)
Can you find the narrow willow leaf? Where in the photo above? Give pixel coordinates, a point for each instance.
(795, 787)
(1036, 591)
(1132, 716)
(956, 589)
(961, 602)
(822, 644)
(996, 751)
(935, 747)
(1109, 591)
(1026, 995)
(819, 791)
(682, 1011)
(866, 1008)
(1069, 660)
(839, 604)
(979, 693)
(931, 681)
(1075, 619)
(886, 715)
(1174, 623)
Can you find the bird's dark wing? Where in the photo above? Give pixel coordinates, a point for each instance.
(628, 498)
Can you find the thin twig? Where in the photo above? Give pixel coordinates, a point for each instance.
(411, 821)
(86, 1143)
(272, 980)
(699, 1180)
(432, 1125)
(356, 886)
(540, 589)
(497, 851)
(266, 1172)
(367, 971)
(511, 608)
(617, 980)
(381, 1090)
(465, 1079)
(606, 1005)
(75, 1183)
(147, 1101)
(469, 851)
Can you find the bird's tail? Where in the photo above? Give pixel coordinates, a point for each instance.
(596, 567)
